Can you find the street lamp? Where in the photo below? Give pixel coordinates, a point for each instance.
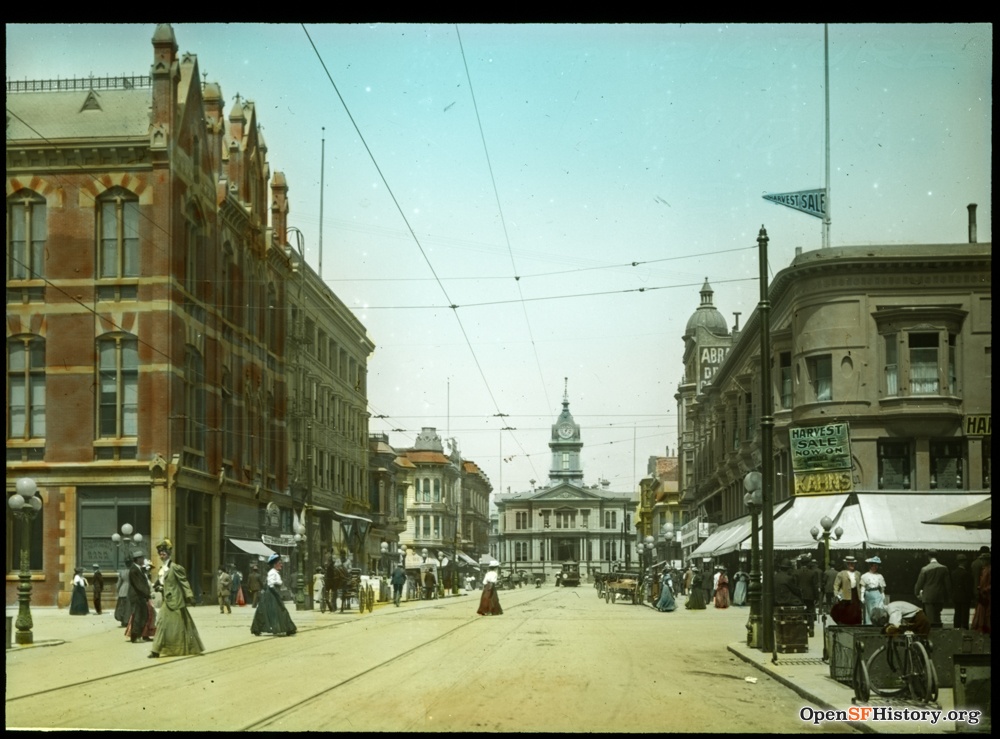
(648, 544)
(667, 532)
(752, 499)
(125, 539)
(300, 580)
(25, 504)
(825, 536)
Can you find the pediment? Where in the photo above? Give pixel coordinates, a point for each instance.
(567, 492)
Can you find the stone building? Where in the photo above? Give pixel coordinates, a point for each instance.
(146, 331)
(880, 380)
(566, 520)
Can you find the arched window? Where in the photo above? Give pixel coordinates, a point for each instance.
(26, 233)
(26, 387)
(194, 400)
(118, 378)
(118, 234)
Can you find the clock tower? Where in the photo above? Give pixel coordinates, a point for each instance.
(566, 446)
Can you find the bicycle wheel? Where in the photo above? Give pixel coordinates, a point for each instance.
(918, 673)
(886, 690)
(861, 681)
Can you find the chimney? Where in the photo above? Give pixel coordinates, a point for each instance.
(972, 223)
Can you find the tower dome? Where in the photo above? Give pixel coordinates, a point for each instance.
(707, 316)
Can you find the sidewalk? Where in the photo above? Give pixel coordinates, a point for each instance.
(809, 676)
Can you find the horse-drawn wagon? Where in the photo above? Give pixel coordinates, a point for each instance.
(622, 585)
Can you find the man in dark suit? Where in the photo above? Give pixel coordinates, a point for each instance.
(807, 577)
(961, 592)
(933, 588)
(138, 596)
(786, 588)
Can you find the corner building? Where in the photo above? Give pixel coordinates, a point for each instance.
(894, 343)
(145, 321)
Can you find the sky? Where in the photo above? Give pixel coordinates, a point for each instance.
(569, 188)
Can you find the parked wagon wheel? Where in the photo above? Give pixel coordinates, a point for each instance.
(371, 598)
(607, 595)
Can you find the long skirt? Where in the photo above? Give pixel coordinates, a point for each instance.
(847, 612)
(149, 628)
(666, 602)
(123, 611)
(722, 595)
(176, 634)
(271, 616)
(78, 602)
(489, 603)
(740, 593)
(696, 600)
(873, 599)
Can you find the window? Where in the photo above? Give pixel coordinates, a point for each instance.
(785, 379)
(946, 464)
(26, 232)
(437, 490)
(584, 519)
(565, 460)
(821, 377)
(118, 227)
(118, 378)
(26, 388)
(101, 514)
(610, 551)
(426, 526)
(427, 490)
(748, 416)
(611, 519)
(521, 519)
(565, 520)
(894, 465)
(923, 363)
(194, 401)
(891, 364)
(521, 551)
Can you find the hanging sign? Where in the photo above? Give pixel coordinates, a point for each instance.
(812, 202)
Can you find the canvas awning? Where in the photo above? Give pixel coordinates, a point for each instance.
(976, 516)
(896, 521)
(793, 524)
(726, 538)
(252, 546)
(466, 559)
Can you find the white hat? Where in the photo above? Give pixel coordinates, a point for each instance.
(494, 563)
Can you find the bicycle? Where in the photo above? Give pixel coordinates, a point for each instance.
(912, 673)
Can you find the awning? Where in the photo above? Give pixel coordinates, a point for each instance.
(252, 546)
(855, 535)
(355, 529)
(726, 538)
(793, 524)
(976, 516)
(465, 558)
(896, 521)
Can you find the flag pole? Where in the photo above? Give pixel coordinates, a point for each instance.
(826, 91)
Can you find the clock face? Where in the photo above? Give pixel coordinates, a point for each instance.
(565, 432)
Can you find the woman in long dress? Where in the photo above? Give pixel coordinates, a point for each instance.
(176, 633)
(872, 590)
(78, 599)
(666, 603)
(122, 610)
(722, 590)
(741, 578)
(271, 616)
(696, 598)
(489, 603)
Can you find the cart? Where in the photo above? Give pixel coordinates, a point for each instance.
(621, 585)
(356, 591)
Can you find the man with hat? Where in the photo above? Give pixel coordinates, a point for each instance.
(254, 585)
(872, 590)
(933, 588)
(807, 577)
(961, 591)
(138, 597)
(847, 610)
(786, 588)
(98, 582)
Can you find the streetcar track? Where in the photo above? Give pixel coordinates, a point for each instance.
(264, 722)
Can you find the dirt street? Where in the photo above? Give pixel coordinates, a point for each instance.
(559, 659)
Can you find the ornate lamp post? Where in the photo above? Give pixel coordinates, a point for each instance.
(25, 504)
(300, 580)
(648, 543)
(752, 499)
(125, 539)
(667, 532)
(825, 536)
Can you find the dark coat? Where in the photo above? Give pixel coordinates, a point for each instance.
(138, 584)
(934, 583)
(786, 589)
(961, 585)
